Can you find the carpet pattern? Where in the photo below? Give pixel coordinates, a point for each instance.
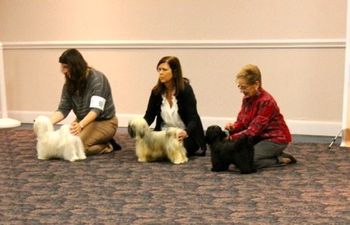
(116, 189)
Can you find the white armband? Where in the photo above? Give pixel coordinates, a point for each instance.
(97, 102)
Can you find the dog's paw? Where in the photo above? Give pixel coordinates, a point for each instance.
(180, 161)
(42, 158)
(78, 158)
(141, 160)
(72, 159)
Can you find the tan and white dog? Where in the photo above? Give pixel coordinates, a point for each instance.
(156, 145)
(57, 144)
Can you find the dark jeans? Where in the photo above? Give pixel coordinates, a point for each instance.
(266, 154)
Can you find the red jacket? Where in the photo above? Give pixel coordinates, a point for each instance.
(260, 117)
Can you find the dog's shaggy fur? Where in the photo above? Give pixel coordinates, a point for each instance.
(57, 144)
(156, 145)
(225, 152)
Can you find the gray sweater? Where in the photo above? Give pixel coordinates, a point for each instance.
(97, 97)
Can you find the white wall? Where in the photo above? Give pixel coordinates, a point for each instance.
(299, 46)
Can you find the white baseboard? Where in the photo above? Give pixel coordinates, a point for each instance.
(301, 127)
(318, 128)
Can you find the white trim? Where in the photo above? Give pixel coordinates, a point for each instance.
(5, 122)
(318, 128)
(179, 44)
(302, 127)
(346, 90)
(3, 100)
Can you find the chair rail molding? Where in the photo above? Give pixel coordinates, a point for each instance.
(180, 44)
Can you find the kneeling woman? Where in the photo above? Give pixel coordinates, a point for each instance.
(260, 118)
(87, 92)
(173, 104)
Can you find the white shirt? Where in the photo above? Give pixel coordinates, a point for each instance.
(170, 115)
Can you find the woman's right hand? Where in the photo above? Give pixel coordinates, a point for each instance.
(229, 126)
(182, 135)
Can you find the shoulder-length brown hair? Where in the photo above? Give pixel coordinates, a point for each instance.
(178, 79)
(77, 66)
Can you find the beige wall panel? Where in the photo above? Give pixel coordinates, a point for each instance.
(47, 20)
(306, 83)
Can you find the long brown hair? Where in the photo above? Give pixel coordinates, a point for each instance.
(77, 66)
(178, 79)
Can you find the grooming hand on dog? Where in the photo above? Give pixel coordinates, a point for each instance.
(57, 143)
(156, 145)
(225, 152)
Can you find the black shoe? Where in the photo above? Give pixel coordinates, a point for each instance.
(115, 145)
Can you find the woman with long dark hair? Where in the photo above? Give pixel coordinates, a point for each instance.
(87, 92)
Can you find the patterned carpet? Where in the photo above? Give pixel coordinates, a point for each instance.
(115, 189)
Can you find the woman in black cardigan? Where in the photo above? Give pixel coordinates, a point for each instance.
(174, 104)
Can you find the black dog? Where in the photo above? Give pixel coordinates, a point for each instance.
(225, 152)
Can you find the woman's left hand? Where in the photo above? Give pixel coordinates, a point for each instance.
(75, 128)
(182, 135)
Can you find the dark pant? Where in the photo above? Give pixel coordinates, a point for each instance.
(191, 146)
(266, 154)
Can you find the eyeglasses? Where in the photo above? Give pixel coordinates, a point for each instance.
(243, 87)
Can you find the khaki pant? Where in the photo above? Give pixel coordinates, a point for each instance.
(97, 134)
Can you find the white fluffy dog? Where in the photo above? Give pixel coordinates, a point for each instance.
(156, 145)
(57, 144)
